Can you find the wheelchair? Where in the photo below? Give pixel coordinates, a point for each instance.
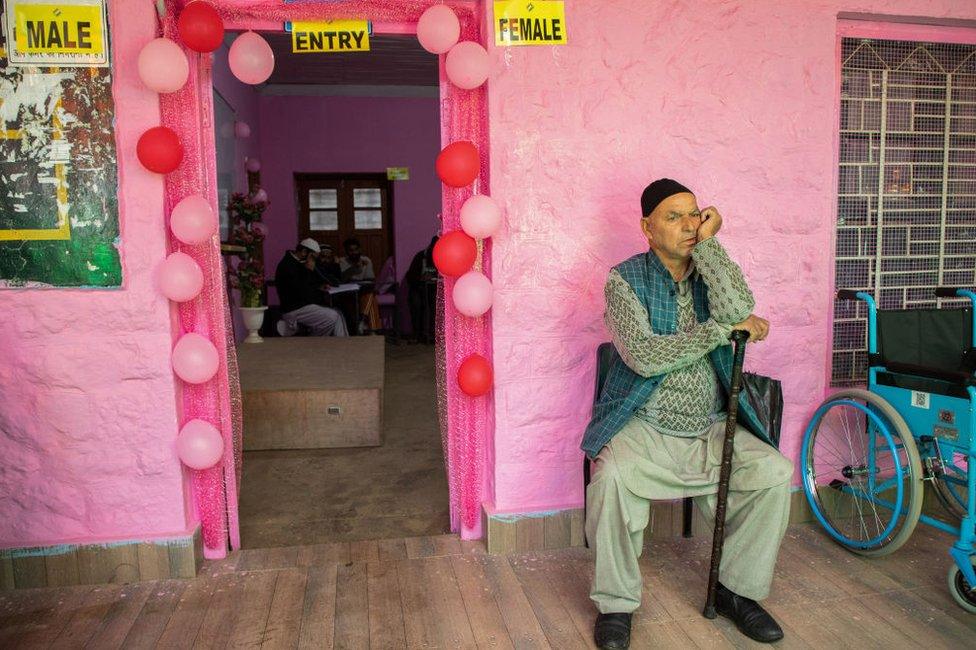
(866, 454)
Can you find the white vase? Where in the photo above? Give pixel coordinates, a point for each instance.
(253, 318)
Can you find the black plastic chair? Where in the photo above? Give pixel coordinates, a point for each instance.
(604, 357)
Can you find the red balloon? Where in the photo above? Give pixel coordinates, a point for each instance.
(455, 253)
(458, 163)
(475, 375)
(159, 150)
(200, 27)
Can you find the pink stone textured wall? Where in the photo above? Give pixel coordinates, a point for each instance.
(737, 100)
(88, 413)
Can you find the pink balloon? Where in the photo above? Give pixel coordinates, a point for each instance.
(199, 444)
(192, 220)
(438, 29)
(260, 197)
(472, 294)
(253, 165)
(242, 130)
(251, 59)
(163, 66)
(480, 216)
(180, 278)
(467, 65)
(195, 359)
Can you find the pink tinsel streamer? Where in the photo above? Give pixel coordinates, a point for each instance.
(465, 421)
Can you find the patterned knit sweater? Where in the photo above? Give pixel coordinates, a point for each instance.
(689, 399)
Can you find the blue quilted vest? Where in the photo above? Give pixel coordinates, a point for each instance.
(624, 391)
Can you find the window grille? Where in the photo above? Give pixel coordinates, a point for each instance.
(906, 203)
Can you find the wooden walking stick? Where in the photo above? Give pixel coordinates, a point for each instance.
(739, 338)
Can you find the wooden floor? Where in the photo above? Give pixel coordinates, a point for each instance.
(438, 592)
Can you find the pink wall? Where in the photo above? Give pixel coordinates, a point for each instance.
(351, 134)
(735, 99)
(88, 411)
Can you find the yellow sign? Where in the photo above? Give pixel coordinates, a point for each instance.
(398, 173)
(332, 36)
(518, 22)
(66, 33)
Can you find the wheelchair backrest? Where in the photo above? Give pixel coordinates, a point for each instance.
(934, 338)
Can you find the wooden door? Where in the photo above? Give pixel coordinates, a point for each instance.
(334, 207)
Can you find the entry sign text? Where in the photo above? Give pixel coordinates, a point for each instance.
(530, 23)
(333, 36)
(66, 33)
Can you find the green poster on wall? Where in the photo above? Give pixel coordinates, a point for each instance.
(59, 217)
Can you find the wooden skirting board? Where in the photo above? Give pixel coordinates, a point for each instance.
(119, 562)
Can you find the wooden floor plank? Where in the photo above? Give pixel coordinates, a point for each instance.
(218, 622)
(285, 616)
(263, 559)
(419, 547)
(322, 555)
(392, 550)
(661, 635)
(87, 618)
(364, 551)
(437, 591)
(520, 620)
(555, 621)
(183, 625)
(486, 619)
(42, 615)
(160, 604)
(352, 606)
(385, 607)
(318, 610)
(252, 617)
(122, 615)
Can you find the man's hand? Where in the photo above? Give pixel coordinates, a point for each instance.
(757, 327)
(710, 224)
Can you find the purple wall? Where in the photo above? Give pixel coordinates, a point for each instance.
(244, 100)
(351, 134)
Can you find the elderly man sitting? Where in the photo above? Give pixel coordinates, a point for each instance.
(657, 428)
(300, 290)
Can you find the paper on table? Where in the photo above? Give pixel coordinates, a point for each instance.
(342, 288)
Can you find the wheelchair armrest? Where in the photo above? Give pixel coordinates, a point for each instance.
(953, 376)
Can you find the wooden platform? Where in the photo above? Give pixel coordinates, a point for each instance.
(312, 392)
(439, 592)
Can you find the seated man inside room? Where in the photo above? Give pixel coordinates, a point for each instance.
(658, 426)
(300, 290)
(355, 266)
(358, 268)
(328, 267)
(422, 286)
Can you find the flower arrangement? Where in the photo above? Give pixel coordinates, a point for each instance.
(250, 232)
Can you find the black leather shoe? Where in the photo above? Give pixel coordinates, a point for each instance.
(751, 619)
(612, 631)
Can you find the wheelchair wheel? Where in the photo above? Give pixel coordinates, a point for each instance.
(862, 473)
(951, 489)
(962, 592)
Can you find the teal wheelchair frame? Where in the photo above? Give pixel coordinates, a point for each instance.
(866, 455)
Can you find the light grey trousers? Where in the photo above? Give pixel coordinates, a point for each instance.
(640, 464)
(323, 321)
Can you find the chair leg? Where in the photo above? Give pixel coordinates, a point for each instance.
(686, 505)
(586, 482)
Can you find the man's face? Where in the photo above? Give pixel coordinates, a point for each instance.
(303, 253)
(672, 229)
(352, 252)
(327, 256)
